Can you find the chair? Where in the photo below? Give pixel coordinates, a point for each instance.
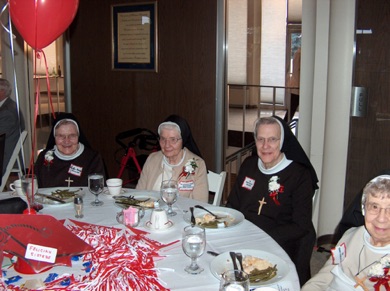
(14, 158)
(216, 184)
(2, 149)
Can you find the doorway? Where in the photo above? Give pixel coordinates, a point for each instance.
(368, 150)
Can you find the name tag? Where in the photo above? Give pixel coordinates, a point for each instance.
(248, 183)
(338, 254)
(75, 170)
(186, 185)
(41, 253)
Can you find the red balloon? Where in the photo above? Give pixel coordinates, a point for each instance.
(40, 22)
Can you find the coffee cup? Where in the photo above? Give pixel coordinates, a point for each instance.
(17, 187)
(130, 216)
(158, 219)
(114, 186)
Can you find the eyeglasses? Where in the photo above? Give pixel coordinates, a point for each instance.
(170, 140)
(71, 137)
(270, 140)
(374, 209)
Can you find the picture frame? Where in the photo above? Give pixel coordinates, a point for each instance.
(134, 36)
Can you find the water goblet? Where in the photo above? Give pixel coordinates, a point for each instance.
(169, 194)
(96, 186)
(234, 280)
(29, 189)
(194, 244)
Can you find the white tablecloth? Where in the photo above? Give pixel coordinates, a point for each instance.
(243, 236)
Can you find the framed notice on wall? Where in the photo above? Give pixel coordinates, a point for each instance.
(134, 37)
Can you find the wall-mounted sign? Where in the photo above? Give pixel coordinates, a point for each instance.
(134, 36)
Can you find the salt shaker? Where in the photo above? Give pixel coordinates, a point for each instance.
(78, 206)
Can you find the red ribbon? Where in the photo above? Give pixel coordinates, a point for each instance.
(381, 281)
(274, 196)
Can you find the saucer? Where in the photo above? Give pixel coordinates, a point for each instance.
(168, 225)
(106, 192)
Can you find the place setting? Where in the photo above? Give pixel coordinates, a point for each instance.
(213, 217)
(260, 268)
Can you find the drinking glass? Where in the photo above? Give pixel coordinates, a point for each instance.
(96, 186)
(234, 280)
(169, 194)
(29, 189)
(194, 244)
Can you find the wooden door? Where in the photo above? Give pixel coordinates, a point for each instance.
(369, 137)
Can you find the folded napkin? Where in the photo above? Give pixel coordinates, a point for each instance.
(14, 205)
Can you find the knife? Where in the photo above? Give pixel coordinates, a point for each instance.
(193, 221)
(233, 256)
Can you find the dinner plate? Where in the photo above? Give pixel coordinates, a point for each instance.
(138, 197)
(232, 216)
(49, 192)
(223, 262)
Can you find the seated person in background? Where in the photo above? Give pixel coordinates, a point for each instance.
(11, 123)
(366, 259)
(274, 190)
(67, 156)
(178, 149)
(353, 216)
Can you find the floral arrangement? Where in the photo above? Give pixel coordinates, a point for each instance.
(49, 158)
(274, 189)
(379, 273)
(189, 168)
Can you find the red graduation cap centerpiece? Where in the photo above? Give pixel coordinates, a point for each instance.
(39, 242)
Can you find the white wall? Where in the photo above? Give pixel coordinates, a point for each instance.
(326, 80)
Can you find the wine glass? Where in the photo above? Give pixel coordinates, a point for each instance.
(194, 244)
(96, 186)
(169, 194)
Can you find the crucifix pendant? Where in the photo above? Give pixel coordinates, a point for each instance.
(261, 202)
(360, 282)
(69, 181)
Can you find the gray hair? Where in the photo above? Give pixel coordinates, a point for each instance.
(170, 126)
(6, 86)
(65, 122)
(379, 187)
(266, 121)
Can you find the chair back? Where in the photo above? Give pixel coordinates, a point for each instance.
(14, 158)
(216, 184)
(2, 149)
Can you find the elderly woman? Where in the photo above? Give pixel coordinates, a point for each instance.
(274, 190)
(361, 259)
(67, 161)
(179, 159)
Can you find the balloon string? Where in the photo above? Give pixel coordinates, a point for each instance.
(48, 84)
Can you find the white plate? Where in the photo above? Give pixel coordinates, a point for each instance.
(233, 217)
(136, 196)
(223, 262)
(49, 192)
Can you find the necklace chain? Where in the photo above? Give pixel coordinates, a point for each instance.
(377, 261)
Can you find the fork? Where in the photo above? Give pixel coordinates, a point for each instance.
(216, 216)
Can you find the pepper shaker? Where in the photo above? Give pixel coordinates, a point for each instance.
(78, 206)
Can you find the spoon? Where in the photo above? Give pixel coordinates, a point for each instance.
(216, 216)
